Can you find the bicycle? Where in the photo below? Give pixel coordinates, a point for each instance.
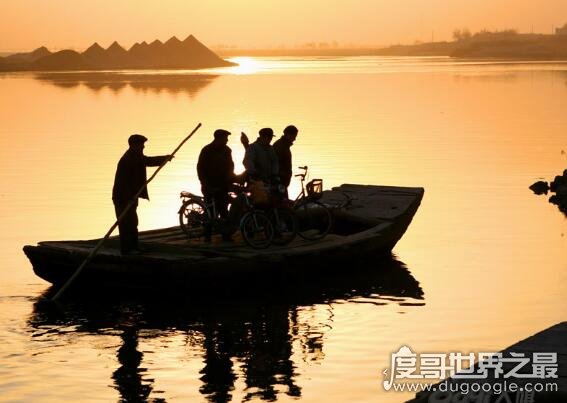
(195, 215)
(283, 218)
(314, 218)
(278, 208)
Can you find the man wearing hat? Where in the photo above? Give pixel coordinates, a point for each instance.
(260, 160)
(215, 169)
(129, 179)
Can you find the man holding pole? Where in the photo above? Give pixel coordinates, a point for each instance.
(130, 177)
(121, 208)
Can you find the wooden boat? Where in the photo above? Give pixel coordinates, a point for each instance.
(369, 226)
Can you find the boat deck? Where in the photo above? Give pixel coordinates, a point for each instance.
(372, 207)
(172, 243)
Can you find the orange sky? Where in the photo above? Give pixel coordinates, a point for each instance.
(26, 24)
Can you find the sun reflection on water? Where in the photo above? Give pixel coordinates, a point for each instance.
(246, 65)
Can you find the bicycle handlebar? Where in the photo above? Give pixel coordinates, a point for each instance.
(304, 174)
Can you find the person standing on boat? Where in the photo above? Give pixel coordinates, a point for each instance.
(282, 148)
(130, 177)
(215, 169)
(260, 159)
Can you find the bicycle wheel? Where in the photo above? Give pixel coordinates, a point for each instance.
(314, 220)
(192, 218)
(285, 225)
(257, 230)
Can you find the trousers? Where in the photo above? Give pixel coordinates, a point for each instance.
(128, 226)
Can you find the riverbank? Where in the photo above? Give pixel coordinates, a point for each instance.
(545, 352)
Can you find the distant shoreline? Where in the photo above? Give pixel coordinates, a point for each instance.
(491, 45)
(503, 45)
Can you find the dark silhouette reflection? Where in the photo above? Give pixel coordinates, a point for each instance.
(254, 337)
(127, 377)
(190, 84)
(261, 342)
(218, 375)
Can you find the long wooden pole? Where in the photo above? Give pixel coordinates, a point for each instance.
(95, 250)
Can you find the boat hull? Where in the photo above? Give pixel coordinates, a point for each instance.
(171, 262)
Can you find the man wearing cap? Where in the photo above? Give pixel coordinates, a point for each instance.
(129, 179)
(260, 160)
(215, 169)
(282, 148)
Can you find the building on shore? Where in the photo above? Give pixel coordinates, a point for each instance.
(562, 30)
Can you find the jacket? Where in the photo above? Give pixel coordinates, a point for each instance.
(131, 175)
(215, 167)
(283, 152)
(261, 162)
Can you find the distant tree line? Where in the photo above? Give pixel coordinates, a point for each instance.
(460, 35)
(320, 45)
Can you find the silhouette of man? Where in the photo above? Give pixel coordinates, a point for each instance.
(130, 177)
(282, 148)
(260, 159)
(215, 169)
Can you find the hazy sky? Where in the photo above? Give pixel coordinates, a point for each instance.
(26, 24)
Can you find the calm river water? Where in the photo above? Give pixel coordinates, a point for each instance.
(482, 266)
